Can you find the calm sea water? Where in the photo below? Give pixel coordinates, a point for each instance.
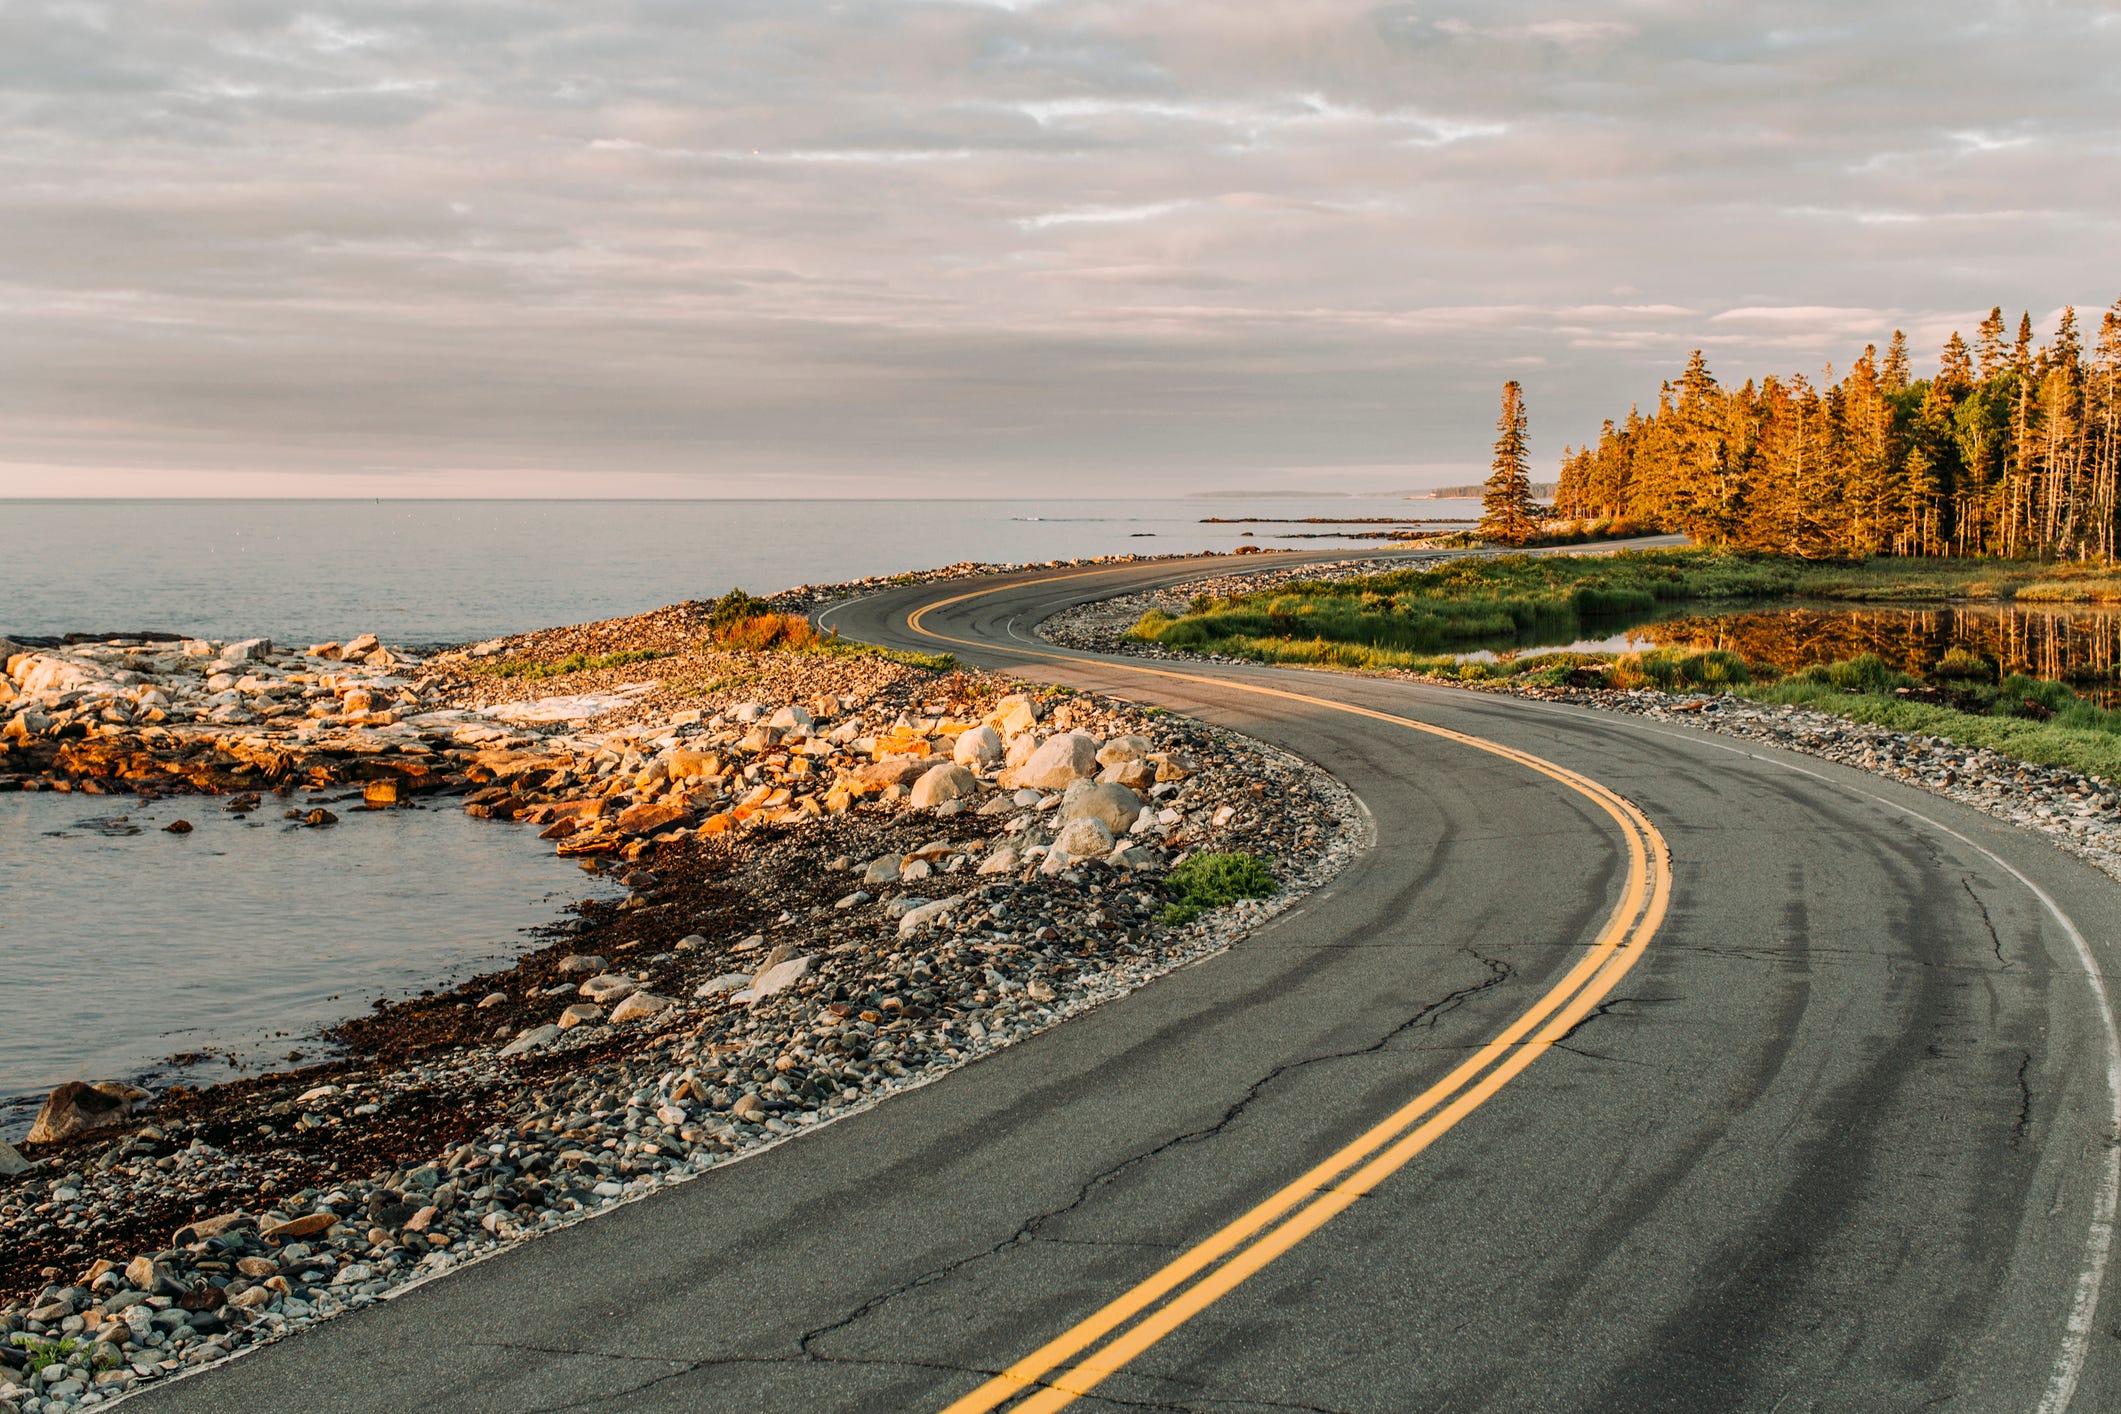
(449, 571)
(122, 945)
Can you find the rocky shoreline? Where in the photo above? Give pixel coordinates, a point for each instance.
(2079, 814)
(846, 874)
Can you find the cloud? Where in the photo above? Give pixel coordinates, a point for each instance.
(979, 246)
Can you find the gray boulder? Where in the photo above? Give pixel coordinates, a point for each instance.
(1113, 806)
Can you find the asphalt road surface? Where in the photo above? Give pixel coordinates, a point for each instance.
(1629, 1069)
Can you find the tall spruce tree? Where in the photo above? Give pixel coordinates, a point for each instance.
(1506, 501)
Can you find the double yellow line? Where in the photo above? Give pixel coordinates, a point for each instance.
(1076, 1361)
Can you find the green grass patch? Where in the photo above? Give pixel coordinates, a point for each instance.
(2026, 718)
(1200, 882)
(533, 668)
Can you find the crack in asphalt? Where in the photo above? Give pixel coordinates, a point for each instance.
(1995, 939)
(1499, 972)
(2024, 1124)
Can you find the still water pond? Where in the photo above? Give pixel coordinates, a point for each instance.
(2079, 646)
(122, 945)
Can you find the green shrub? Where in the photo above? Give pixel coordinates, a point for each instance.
(1204, 881)
(733, 608)
(1961, 665)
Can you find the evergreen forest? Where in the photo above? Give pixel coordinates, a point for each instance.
(2011, 449)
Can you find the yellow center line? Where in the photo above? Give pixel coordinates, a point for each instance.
(1303, 1206)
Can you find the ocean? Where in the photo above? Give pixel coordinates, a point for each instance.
(430, 572)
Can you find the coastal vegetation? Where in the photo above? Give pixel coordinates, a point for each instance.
(533, 669)
(1462, 622)
(1200, 882)
(2011, 449)
(741, 622)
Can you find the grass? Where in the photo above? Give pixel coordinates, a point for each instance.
(43, 1354)
(532, 668)
(1200, 882)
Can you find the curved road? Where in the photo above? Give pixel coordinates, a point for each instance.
(1630, 1069)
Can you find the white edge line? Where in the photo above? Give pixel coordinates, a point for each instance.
(2099, 1241)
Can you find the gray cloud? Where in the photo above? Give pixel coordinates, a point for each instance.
(982, 248)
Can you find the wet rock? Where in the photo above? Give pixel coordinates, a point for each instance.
(177, 827)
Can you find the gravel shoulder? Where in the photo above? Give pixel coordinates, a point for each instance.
(846, 875)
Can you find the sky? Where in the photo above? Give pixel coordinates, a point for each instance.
(989, 249)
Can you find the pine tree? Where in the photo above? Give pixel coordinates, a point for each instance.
(1895, 374)
(1990, 345)
(1506, 501)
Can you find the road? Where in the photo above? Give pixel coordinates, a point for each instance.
(1629, 1069)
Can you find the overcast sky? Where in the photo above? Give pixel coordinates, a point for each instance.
(784, 248)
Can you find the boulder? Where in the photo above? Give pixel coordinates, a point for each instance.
(580, 1014)
(11, 1161)
(727, 982)
(682, 765)
(608, 988)
(777, 978)
(531, 1040)
(77, 1108)
(1123, 748)
(1059, 763)
(1021, 749)
(1132, 856)
(577, 964)
(942, 784)
(650, 817)
(153, 1277)
(639, 1005)
(884, 870)
(1113, 806)
(1002, 861)
(1014, 715)
(1135, 775)
(252, 650)
(875, 777)
(361, 647)
(981, 746)
(1086, 838)
(792, 718)
(919, 918)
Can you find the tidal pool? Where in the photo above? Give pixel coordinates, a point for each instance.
(122, 945)
(2077, 645)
